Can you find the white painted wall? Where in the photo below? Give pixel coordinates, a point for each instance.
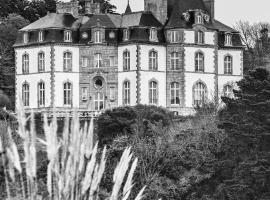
(209, 38)
(131, 77)
(133, 59)
(33, 58)
(161, 50)
(33, 80)
(209, 59)
(237, 61)
(191, 79)
(189, 36)
(160, 77)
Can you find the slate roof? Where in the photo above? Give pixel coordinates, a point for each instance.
(51, 20)
(102, 19)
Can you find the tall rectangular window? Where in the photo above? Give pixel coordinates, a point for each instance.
(41, 62)
(97, 37)
(67, 94)
(84, 93)
(25, 64)
(84, 61)
(25, 38)
(67, 36)
(153, 96)
(112, 61)
(41, 94)
(67, 61)
(126, 60)
(25, 94)
(126, 93)
(98, 60)
(112, 93)
(40, 36)
(175, 36)
(175, 93)
(175, 61)
(99, 101)
(153, 61)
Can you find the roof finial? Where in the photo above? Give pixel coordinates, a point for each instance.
(128, 9)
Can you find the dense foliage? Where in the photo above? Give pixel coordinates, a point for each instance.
(124, 120)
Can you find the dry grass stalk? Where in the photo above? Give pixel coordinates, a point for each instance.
(74, 171)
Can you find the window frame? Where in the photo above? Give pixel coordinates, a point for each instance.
(98, 60)
(199, 93)
(26, 94)
(153, 34)
(174, 90)
(67, 61)
(228, 65)
(153, 92)
(67, 36)
(41, 36)
(200, 37)
(84, 93)
(228, 39)
(67, 94)
(41, 61)
(98, 37)
(126, 34)
(25, 37)
(199, 62)
(98, 101)
(174, 36)
(41, 94)
(227, 93)
(153, 60)
(126, 60)
(126, 93)
(175, 61)
(25, 63)
(83, 60)
(199, 19)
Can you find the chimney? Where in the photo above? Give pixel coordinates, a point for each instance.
(68, 7)
(210, 6)
(92, 8)
(158, 8)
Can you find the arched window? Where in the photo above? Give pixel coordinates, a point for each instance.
(98, 60)
(67, 94)
(199, 94)
(175, 93)
(228, 39)
(228, 91)
(67, 36)
(228, 65)
(126, 60)
(98, 37)
(153, 93)
(67, 61)
(126, 93)
(25, 64)
(153, 34)
(200, 37)
(41, 62)
(153, 60)
(199, 19)
(41, 94)
(25, 94)
(175, 61)
(99, 101)
(199, 62)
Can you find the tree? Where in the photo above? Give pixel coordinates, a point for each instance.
(246, 120)
(255, 38)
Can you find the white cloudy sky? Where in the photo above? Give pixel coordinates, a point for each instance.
(227, 11)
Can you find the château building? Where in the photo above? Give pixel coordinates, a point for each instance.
(174, 54)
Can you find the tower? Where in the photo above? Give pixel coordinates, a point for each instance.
(158, 8)
(210, 6)
(92, 8)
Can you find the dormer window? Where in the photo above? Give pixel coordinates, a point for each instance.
(67, 36)
(25, 38)
(97, 37)
(126, 35)
(174, 36)
(153, 34)
(199, 19)
(40, 36)
(228, 39)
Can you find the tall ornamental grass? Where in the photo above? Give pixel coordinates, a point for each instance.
(74, 171)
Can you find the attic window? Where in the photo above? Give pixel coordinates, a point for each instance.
(40, 36)
(67, 36)
(126, 35)
(97, 37)
(174, 36)
(25, 38)
(228, 39)
(199, 19)
(153, 34)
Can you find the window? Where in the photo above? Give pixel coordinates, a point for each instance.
(67, 94)
(174, 61)
(199, 94)
(112, 61)
(98, 37)
(153, 96)
(126, 35)
(199, 62)
(98, 83)
(25, 94)
(112, 93)
(99, 101)
(84, 61)
(175, 93)
(25, 64)
(67, 36)
(126, 93)
(41, 94)
(200, 37)
(98, 60)
(126, 60)
(153, 60)
(175, 36)
(228, 39)
(67, 61)
(84, 93)
(25, 38)
(228, 65)
(228, 91)
(40, 36)
(153, 34)
(199, 19)
(41, 62)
